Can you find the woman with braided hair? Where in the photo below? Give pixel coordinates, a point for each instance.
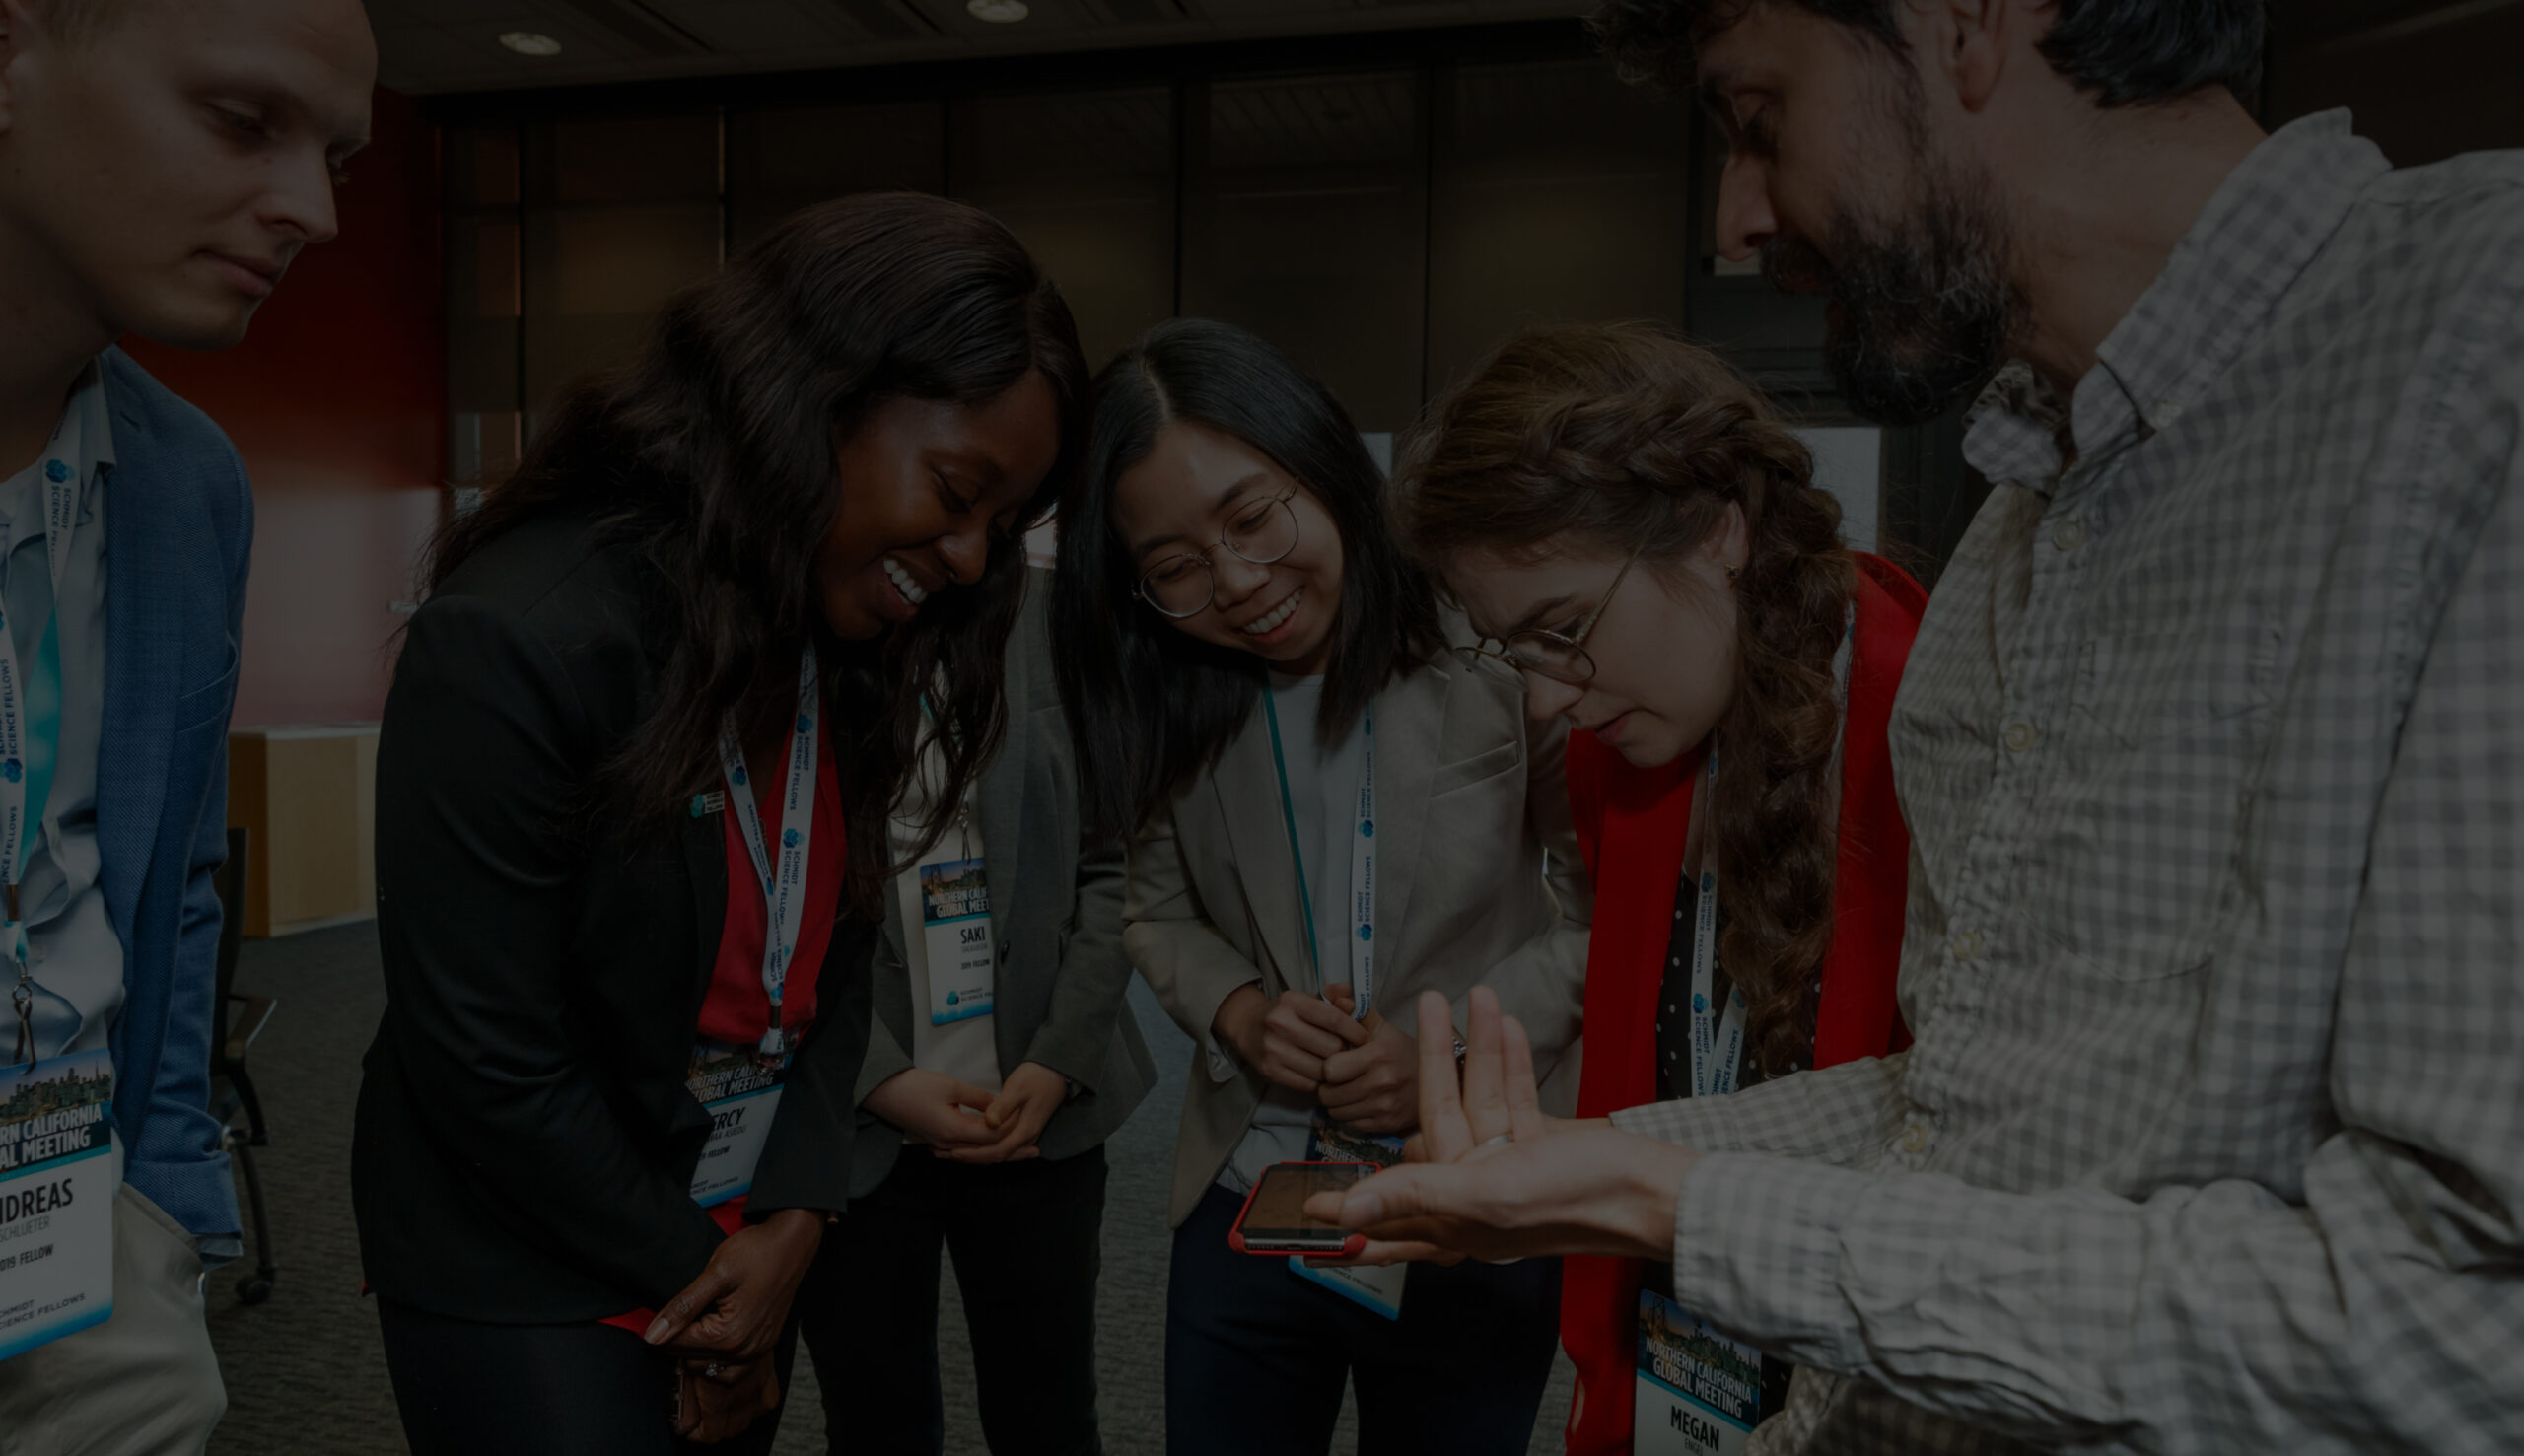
(1643, 541)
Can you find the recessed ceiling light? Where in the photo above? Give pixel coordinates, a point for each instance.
(1000, 12)
(529, 42)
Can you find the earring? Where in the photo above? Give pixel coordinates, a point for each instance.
(1732, 573)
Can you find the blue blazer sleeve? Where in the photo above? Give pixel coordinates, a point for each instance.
(173, 1153)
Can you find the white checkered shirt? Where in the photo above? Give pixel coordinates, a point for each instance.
(2212, 750)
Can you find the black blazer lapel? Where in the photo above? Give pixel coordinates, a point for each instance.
(702, 838)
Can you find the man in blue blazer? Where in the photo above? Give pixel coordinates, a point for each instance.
(160, 164)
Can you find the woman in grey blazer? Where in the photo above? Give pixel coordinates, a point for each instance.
(1331, 811)
(995, 1070)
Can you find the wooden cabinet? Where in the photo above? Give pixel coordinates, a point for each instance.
(308, 793)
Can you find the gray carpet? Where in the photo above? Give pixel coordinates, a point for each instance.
(304, 1371)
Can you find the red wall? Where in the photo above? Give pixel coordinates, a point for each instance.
(337, 401)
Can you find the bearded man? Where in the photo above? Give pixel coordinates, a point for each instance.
(2211, 1139)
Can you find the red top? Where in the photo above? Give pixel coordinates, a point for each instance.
(1632, 823)
(737, 1008)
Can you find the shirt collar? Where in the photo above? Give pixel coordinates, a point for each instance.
(2265, 223)
(21, 494)
(96, 419)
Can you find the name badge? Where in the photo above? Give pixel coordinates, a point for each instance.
(955, 926)
(1327, 1142)
(1379, 1289)
(1699, 1393)
(58, 1177)
(741, 1090)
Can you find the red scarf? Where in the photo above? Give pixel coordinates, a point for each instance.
(1631, 825)
(735, 1008)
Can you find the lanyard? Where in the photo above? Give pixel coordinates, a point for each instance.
(784, 884)
(30, 719)
(1363, 862)
(1718, 1037)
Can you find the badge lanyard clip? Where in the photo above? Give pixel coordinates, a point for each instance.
(30, 721)
(782, 881)
(1363, 862)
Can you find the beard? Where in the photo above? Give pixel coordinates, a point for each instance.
(1921, 309)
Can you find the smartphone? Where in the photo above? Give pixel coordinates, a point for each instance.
(1274, 1218)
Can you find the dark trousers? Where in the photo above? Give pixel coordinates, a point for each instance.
(1026, 1242)
(1256, 1357)
(465, 1388)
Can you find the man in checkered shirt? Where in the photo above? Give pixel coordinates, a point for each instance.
(2212, 749)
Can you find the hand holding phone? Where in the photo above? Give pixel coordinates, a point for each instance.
(1274, 1219)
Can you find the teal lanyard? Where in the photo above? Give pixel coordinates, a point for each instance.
(1288, 816)
(1363, 873)
(43, 755)
(37, 752)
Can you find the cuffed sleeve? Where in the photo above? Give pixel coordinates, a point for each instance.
(1835, 1115)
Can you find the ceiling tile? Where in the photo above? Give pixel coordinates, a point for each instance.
(1241, 12)
(1048, 17)
(420, 58)
(449, 45)
(749, 26)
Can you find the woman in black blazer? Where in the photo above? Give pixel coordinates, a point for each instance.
(635, 768)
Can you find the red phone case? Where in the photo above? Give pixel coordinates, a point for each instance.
(1351, 1247)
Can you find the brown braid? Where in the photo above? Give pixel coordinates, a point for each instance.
(1607, 437)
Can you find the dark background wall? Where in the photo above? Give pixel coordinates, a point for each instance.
(337, 401)
(2426, 78)
(1385, 206)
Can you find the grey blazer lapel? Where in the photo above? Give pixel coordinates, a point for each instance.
(894, 923)
(1247, 787)
(999, 817)
(1411, 721)
(890, 997)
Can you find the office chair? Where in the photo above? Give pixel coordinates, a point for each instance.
(232, 1088)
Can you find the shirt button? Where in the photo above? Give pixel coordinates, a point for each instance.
(2069, 534)
(1915, 1140)
(1966, 944)
(2019, 736)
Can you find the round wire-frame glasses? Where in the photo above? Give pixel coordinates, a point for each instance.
(1563, 660)
(1183, 586)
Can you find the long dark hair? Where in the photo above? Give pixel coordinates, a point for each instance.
(712, 456)
(1627, 437)
(1150, 705)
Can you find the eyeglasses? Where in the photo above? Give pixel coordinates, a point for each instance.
(1548, 653)
(1183, 586)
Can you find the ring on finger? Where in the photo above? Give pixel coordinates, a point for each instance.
(1501, 1137)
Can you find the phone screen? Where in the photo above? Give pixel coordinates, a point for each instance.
(1277, 1217)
